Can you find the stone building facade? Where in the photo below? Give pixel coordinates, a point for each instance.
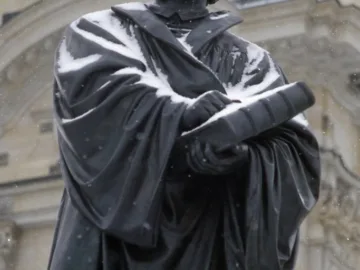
(315, 41)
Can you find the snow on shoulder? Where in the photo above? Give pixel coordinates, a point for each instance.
(219, 16)
(132, 6)
(105, 19)
(67, 63)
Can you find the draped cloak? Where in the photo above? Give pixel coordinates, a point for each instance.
(122, 83)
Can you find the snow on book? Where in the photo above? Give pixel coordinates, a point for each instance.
(254, 115)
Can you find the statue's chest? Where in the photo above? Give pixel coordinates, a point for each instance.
(227, 63)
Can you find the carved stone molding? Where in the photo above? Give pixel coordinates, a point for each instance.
(338, 209)
(31, 58)
(8, 236)
(340, 252)
(25, 78)
(332, 229)
(5, 206)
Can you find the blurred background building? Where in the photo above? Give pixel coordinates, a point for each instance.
(315, 41)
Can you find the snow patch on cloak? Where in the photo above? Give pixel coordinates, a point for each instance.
(132, 6)
(118, 48)
(218, 17)
(255, 56)
(106, 20)
(250, 94)
(186, 45)
(129, 48)
(66, 62)
(110, 24)
(271, 76)
(188, 49)
(65, 121)
(149, 79)
(104, 85)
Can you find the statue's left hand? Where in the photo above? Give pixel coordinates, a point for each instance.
(203, 159)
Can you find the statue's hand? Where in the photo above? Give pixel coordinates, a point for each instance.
(203, 159)
(203, 108)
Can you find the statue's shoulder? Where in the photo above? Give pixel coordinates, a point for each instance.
(103, 23)
(97, 17)
(251, 49)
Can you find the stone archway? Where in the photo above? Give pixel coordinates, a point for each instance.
(27, 45)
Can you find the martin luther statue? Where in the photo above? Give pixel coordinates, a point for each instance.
(130, 82)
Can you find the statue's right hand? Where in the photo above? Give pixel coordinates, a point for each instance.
(203, 108)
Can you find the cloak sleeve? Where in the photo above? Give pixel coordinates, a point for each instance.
(116, 124)
(283, 179)
(282, 188)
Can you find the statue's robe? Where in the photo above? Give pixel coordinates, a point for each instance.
(122, 84)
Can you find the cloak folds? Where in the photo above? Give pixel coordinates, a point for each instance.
(122, 83)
